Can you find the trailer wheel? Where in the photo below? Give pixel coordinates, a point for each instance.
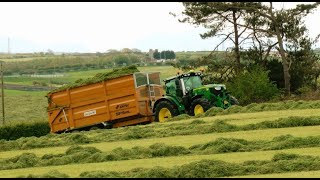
(198, 106)
(164, 111)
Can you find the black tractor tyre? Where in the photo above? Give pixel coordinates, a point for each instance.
(234, 101)
(205, 103)
(165, 104)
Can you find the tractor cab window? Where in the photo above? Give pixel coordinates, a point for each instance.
(171, 88)
(192, 82)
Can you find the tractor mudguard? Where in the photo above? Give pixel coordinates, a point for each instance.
(172, 100)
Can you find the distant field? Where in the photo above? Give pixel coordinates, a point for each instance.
(24, 106)
(69, 77)
(15, 93)
(22, 59)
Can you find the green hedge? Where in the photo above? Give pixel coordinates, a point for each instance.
(16, 131)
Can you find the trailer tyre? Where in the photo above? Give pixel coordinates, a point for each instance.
(198, 106)
(164, 111)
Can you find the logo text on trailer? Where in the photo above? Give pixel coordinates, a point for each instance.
(90, 113)
(122, 106)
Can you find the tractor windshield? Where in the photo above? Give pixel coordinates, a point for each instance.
(192, 82)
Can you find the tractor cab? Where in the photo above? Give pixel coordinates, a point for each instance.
(182, 84)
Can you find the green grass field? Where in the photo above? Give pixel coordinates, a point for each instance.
(24, 106)
(22, 59)
(187, 141)
(123, 149)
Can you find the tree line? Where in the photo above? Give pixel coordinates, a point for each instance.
(164, 54)
(276, 40)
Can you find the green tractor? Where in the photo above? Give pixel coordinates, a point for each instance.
(185, 94)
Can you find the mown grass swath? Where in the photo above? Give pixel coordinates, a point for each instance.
(78, 154)
(281, 162)
(142, 132)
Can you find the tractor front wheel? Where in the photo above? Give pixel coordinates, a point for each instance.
(199, 106)
(165, 110)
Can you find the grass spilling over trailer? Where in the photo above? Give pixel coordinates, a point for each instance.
(99, 77)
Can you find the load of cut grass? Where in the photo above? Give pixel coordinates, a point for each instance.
(99, 77)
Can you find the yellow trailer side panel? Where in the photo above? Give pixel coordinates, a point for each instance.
(115, 100)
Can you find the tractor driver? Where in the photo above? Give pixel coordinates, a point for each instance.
(192, 82)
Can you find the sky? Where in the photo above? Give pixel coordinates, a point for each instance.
(100, 26)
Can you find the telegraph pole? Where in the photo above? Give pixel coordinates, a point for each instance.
(2, 93)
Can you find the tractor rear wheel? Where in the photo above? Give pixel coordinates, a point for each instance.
(198, 106)
(164, 111)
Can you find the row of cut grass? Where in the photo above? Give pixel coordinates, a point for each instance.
(185, 141)
(253, 117)
(300, 174)
(146, 132)
(75, 169)
(78, 154)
